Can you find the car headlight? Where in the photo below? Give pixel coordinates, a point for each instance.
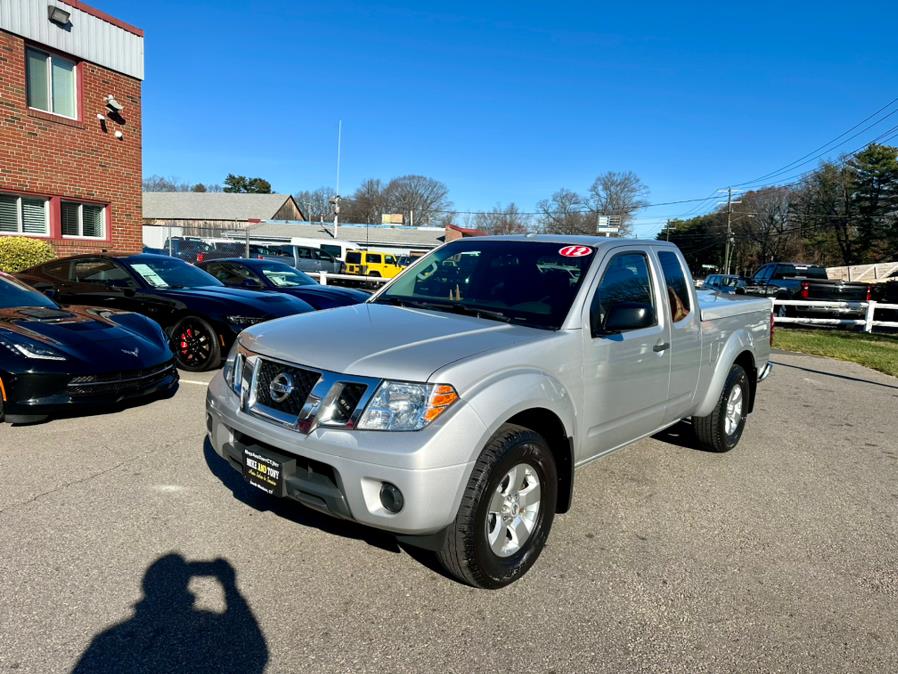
(244, 321)
(233, 368)
(32, 349)
(404, 406)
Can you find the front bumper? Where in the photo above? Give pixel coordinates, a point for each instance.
(340, 472)
(34, 396)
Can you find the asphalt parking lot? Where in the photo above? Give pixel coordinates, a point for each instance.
(779, 556)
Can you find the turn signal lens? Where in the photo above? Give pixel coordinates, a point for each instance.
(441, 398)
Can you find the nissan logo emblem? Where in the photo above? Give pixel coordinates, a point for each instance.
(281, 387)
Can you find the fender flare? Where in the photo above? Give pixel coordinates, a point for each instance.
(739, 342)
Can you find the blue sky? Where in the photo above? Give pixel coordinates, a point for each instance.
(507, 101)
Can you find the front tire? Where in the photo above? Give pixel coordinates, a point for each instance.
(195, 344)
(506, 511)
(721, 430)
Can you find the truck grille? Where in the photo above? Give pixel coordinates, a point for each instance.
(295, 382)
(301, 398)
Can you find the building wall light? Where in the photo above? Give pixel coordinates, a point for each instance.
(58, 15)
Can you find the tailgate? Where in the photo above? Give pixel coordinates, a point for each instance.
(840, 292)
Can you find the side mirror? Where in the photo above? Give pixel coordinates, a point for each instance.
(50, 292)
(740, 290)
(628, 316)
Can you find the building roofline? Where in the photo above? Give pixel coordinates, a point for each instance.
(103, 16)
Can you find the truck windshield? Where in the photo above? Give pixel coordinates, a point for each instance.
(528, 282)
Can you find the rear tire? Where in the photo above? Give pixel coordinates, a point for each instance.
(506, 511)
(195, 344)
(721, 430)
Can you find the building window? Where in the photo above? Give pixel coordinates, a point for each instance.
(83, 220)
(51, 83)
(24, 215)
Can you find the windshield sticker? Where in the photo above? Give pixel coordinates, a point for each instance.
(149, 275)
(575, 251)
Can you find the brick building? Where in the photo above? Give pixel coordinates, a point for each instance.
(70, 126)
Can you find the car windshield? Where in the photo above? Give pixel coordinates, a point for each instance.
(528, 282)
(732, 281)
(14, 294)
(283, 276)
(170, 272)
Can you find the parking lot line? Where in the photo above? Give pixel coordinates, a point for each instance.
(193, 381)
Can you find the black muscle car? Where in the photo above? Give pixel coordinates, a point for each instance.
(55, 360)
(271, 275)
(200, 315)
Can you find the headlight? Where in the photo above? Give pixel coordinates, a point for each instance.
(233, 368)
(244, 321)
(31, 349)
(402, 406)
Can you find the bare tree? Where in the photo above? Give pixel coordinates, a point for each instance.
(762, 226)
(315, 204)
(507, 220)
(156, 183)
(420, 199)
(564, 213)
(617, 194)
(367, 203)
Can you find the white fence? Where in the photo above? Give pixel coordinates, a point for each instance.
(323, 276)
(865, 309)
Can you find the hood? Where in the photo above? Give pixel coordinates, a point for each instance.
(328, 295)
(82, 333)
(231, 299)
(376, 340)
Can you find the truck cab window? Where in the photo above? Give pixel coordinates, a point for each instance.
(626, 279)
(677, 288)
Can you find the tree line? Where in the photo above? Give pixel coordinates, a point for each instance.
(424, 201)
(842, 213)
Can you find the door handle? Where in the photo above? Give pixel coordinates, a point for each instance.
(661, 346)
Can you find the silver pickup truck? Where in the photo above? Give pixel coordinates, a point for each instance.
(455, 406)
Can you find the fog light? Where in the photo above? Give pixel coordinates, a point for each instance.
(391, 498)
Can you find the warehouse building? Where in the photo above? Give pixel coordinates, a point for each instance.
(70, 126)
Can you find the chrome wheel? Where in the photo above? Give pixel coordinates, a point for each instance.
(733, 413)
(513, 510)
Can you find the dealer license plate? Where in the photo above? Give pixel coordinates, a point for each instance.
(264, 471)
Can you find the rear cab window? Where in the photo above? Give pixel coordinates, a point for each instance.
(677, 287)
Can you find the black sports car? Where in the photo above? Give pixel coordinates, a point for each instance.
(54, 360)
(201, 316)
(270, 275)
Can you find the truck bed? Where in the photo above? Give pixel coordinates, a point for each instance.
(714, 306)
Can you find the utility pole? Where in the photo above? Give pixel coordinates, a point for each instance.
(726, 255)
(667, 229)
(728, 250)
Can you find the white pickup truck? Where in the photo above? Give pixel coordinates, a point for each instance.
(455, 406)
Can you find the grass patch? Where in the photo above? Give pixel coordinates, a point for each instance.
(879, 352)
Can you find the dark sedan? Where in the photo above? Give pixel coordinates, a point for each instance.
(269, 275)
(55, 360)
(201, 316)
(728, 284)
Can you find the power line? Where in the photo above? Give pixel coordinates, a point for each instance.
(804, 159)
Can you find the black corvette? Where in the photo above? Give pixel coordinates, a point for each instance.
(201, 316)
(55, 360)
(270, 275)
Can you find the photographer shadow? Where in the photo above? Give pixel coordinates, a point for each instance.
(168, 633)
